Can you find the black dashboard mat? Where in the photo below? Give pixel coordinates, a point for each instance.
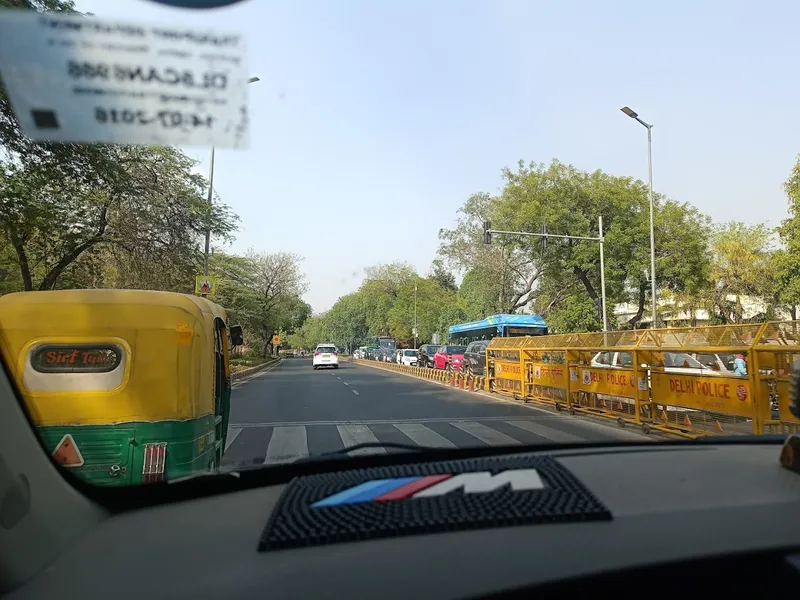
(370, 514)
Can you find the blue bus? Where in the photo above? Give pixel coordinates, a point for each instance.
(497, 326)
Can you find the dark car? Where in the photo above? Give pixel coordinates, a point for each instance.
(475, 358)
(426, 352)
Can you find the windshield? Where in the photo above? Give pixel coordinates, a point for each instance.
(179, 189)
(454, 349)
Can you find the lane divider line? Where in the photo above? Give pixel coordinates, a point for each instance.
(344, 382)
(356, 392)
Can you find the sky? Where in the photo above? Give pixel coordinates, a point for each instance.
(374, 120)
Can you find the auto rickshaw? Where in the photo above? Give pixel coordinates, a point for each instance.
(125, 386)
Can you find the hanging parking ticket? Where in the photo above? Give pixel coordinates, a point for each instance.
(72, 78)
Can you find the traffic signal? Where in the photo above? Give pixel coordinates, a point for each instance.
(487, 235)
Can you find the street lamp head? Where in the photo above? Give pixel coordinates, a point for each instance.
(628, 111)
(253, 79)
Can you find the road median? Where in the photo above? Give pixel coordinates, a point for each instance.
(247, 373)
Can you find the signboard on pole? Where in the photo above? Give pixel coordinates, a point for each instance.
(204, 285)
(276, 340)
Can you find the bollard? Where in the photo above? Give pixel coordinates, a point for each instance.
(461, 381)
(472, 384)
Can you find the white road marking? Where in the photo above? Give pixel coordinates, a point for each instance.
(356, 392)
(358, 434)
(548, 433)
(287, 444)
(338, 378)
(486, 434)
(233, 433)
(344, 382)
(423, 436)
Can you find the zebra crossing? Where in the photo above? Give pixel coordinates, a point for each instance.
(280, 442)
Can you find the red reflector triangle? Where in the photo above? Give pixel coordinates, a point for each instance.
(67, 454)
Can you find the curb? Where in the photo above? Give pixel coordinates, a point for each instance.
(246, 373)
(497, 397)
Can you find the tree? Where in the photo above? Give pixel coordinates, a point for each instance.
(567, 201)
(510, 268)
(346, 321)
(741, 265)
(432, 300)
(441, 276)
(380, 290)
(787, 259)
(277, 283)
(143, 217)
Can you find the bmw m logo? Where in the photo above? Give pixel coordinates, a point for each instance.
(429, 486)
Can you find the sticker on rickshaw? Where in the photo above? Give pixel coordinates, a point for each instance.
(67, 454)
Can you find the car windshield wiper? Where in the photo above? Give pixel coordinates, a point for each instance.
(344, 451)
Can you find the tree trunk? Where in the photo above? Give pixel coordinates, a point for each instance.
(22, 258)
(584, 278)
(634, 320)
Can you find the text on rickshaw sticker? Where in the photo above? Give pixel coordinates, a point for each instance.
(57, 367)
(81, 79)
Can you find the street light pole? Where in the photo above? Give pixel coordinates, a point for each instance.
(211, 202)
(603, 272)
(415, 316)
(634, 115)
(210, 207)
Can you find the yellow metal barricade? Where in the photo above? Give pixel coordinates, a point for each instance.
(775, 351)
(605, 378)
(504, 367)
(702, 379)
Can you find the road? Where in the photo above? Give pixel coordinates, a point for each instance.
(292, 411)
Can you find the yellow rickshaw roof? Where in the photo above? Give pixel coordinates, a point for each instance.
(193, 304)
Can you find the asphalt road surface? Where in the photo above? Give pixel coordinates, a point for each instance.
(293, 411)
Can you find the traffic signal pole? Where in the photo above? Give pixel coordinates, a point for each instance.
(488, 232)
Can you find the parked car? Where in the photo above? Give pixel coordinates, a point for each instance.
(449, 357)
(425, 355)
(408, 357)
(475, 358)
(674, 362)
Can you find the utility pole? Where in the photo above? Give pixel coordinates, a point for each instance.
(488, 232)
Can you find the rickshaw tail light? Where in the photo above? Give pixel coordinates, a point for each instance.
(155, 462)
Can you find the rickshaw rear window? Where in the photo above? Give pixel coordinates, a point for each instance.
(76, 358)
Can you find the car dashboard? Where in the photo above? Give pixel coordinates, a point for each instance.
(679, 515)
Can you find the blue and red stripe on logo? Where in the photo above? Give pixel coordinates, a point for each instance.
(381, 490)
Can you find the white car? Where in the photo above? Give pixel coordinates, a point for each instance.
(326, 355)
(408, 357)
